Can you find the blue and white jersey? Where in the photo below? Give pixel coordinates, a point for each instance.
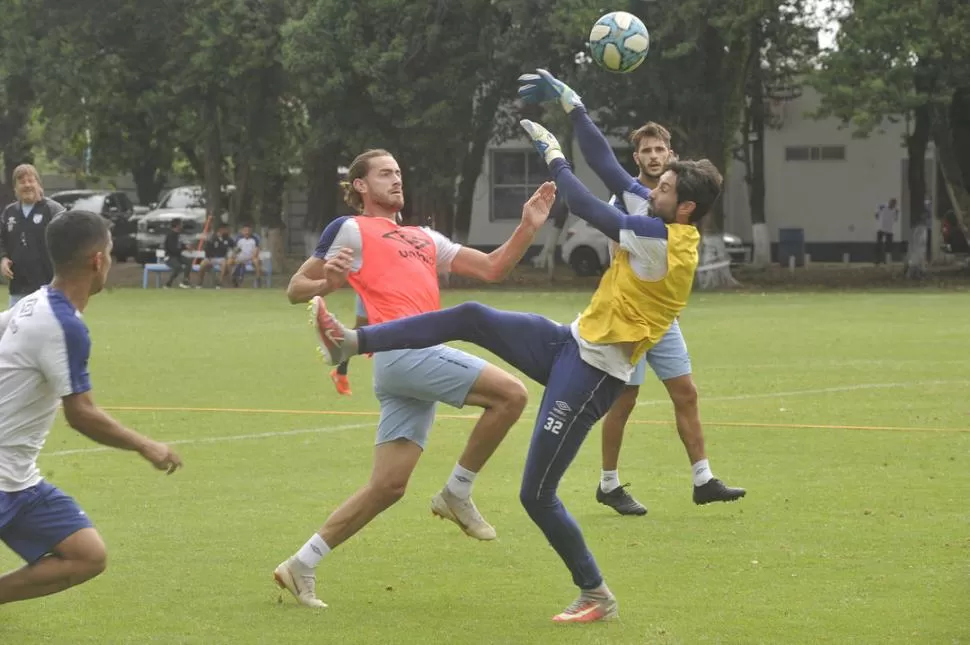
(648, 249)
(44, 350)
(246, 247)
(635, 200)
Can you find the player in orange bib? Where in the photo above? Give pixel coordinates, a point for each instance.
(394, 269)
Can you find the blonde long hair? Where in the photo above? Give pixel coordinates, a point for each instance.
(358, 170)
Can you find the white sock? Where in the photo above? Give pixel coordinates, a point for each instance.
(600, 591)
(460, 482)
(312, 552)
(702, 472)
(609, 480)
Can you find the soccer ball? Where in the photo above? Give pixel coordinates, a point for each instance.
(619, 42)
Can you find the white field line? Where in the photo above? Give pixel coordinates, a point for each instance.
(862, 362)
(822, 390)
(230, 438)
(780, 395)
(328, 429)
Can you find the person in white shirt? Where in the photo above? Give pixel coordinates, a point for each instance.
(246, 252)
(44, 349)
(886, 217)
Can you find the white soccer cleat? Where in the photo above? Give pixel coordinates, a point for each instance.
(463, 513)
(337, 343)
(300, 580)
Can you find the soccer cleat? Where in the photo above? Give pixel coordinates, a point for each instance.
(341, 382)
(544, 142)
(300, 580)
(621, 501)
(716, 491)
(463, 513)
(337, 343)
(589, 607)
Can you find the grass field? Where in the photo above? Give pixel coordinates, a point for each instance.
(845, 416)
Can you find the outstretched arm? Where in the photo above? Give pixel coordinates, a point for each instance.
(599, 214)
(542, 87)
(596, 149)
(496, 266)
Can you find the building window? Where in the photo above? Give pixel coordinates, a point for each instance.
(815, 153)
(515, 176)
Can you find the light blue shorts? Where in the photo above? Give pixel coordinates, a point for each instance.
(360, 311)
(14, 299)
(410, 382)
(668, 359)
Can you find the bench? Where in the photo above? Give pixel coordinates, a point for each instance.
(159, 267)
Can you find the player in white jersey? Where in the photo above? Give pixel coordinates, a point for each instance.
(669, 358)
(44, 348)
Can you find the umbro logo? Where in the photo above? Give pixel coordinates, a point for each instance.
(562, 406)
(416, 242)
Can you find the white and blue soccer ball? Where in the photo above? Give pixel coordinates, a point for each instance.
(619, 42)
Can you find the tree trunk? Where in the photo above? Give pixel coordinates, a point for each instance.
(916, 143)
(148, 180)
(198, 165)
(241, 205)
(726, 74)
(213, 163)
(14, 119)
(949, 165)
(471, 166)
(753, 153)
(323, 191)
(756, 185)
(960, 126)
(271, 188)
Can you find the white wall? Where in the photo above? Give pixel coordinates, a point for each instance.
(833, 201)
(484, 232)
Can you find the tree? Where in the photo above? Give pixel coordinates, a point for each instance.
(100, 78)
(783, 46)
(16, 91)
(903, 61)
(693, 83)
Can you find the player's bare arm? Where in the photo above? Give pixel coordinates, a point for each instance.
(87, 418)
(496, 266)
(319, 277)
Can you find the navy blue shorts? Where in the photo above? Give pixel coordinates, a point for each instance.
(35, 520)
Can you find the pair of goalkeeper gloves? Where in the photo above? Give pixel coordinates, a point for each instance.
(541, 88)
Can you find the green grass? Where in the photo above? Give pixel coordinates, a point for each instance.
(848, 535)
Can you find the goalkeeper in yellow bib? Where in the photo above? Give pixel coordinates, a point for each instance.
(668, 359)
(583, 366)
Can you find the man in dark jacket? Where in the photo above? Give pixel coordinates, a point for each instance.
(175, 261)
(24, 260)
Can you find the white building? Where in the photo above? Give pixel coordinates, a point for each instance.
(819, 179)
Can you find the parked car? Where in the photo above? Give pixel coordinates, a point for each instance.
(113, 206)
(587, 250)
(191, 199)
(187, 203)
(153, 227)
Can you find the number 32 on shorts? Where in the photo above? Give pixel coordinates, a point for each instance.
(553, 425)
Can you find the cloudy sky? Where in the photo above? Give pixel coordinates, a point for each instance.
(826, 36)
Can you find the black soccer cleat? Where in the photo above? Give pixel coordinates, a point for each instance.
(620, 501)
(716, 491)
